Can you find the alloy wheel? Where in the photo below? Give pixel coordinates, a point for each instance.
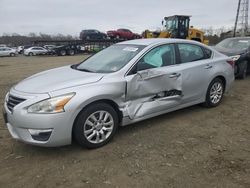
(98, 127)
(216, 92)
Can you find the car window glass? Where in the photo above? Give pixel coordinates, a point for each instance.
(208, 53)
(190, 52)
(158, 57)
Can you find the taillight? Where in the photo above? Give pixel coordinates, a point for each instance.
(231, 62)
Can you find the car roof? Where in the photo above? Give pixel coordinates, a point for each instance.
(239, 38)
(155, 41)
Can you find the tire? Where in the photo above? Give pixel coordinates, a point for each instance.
(117, 37)
(88, 37)
(71, 52)
(63, 52)
(12, 55)
(216, 87)
(30, 54)
(242, 70)
(86, 130)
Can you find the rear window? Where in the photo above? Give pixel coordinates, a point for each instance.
(208, 53)
(190, 53)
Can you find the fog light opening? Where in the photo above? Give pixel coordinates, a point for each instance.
(40, 135)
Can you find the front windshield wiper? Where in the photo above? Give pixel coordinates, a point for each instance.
(76, 65)
(85, 70)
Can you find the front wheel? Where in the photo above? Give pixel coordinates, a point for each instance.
(12, 54)
(95, 125)
(215, 93)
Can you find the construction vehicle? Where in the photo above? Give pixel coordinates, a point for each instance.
(177, 26)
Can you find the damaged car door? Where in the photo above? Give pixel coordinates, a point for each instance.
(154, 84)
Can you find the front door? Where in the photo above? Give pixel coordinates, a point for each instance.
(154, 84)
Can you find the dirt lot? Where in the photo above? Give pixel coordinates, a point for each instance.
(194, 147)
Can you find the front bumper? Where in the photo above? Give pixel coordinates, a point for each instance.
(48, 130)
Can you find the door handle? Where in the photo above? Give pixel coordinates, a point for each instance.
(175, 75)
(208, 66)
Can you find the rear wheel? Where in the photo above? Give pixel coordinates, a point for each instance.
(242, 70)
(71, 52)
(63, 52)
(215, 93)
(95, 125)
(117, 37)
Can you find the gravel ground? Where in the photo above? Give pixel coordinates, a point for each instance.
(193, 147)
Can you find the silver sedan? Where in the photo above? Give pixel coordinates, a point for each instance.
(123, 84)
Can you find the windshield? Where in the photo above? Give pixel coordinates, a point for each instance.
(110, 59)
(171, 24)
(237, 44)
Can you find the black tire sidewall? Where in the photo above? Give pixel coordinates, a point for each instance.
(242, 70)
(71, 52)
(208, 102)
(62, 52)
(82, 117)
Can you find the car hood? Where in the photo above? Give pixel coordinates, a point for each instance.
(229, 52)
(56, 79)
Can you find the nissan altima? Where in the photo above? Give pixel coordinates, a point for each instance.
(122, 84)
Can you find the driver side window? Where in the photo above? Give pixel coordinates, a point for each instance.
(158, 57)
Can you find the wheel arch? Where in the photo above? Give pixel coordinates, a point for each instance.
(107, 101)
(223, 79)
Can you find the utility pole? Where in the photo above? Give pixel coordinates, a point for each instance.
(242, 18)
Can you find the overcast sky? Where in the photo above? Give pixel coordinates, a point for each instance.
(71, 16)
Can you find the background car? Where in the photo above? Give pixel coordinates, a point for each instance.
(239, 50)
(92, 34)
(36, 50)
(20, 49)
(6, 51)
(123, 34)
(123, 84)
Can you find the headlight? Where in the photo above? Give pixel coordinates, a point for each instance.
(52, 105)
(235, 58)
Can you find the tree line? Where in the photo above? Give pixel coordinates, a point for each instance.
(16, 39)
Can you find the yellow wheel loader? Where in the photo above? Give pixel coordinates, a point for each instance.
(177, 26)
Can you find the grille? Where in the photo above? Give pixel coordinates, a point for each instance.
(13, 101)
